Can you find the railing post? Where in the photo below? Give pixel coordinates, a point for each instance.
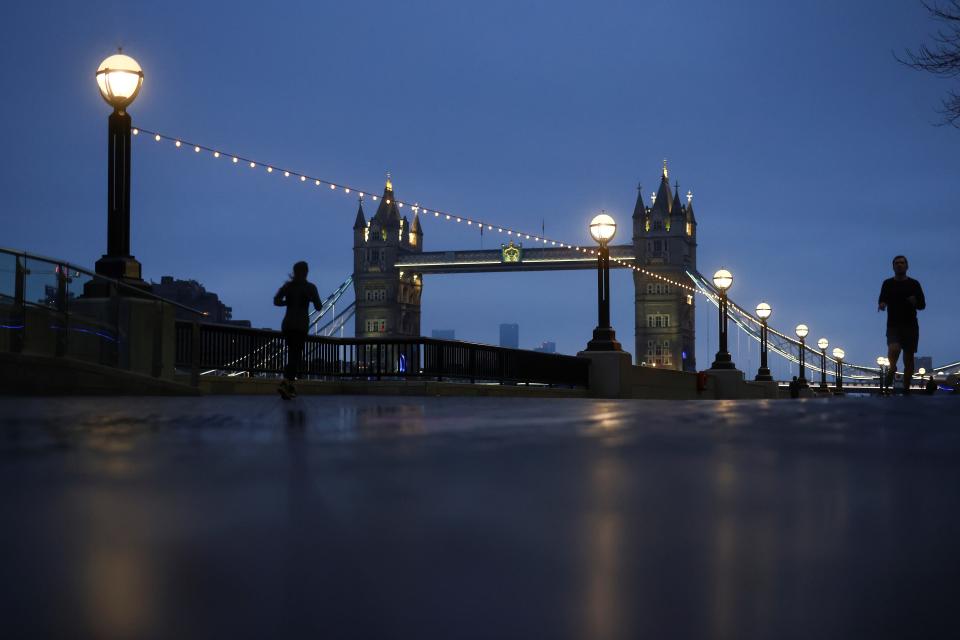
(19, 294)
(60, 349)
(195, 354)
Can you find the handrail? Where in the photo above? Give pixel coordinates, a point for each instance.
(139, 292)
(219, 347)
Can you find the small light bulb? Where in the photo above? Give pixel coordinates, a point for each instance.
(361, 193)
(499, 230)
(374, 198)
(269, 169)
(197, 149)
(286, 174)
(216, 154)
(436, 214)
(136, 132)
(253, 164)
(469, 222)
(177, 144)
(235, 160)
(346, 190)
(400, 205)
(303, 179)
(317, 182)
(333, 186)
(157, 137)
(448, 216)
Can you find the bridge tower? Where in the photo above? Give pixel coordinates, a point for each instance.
(665, 242)
(388, 300)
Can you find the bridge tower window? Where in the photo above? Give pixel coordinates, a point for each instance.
(658, 320)
(376, 325)
(376, 294)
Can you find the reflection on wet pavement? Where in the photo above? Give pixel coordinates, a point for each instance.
(445, 517)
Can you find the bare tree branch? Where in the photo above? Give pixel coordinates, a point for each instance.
(942, 58)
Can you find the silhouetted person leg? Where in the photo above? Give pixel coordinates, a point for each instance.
(295, 341)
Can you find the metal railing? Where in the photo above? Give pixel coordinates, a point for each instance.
(52, 308)
(229, 349)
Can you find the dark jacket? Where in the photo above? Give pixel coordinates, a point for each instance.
(296, 296)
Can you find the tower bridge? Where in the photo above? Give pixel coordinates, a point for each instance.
(389, 265)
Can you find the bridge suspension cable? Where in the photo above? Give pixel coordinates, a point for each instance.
(416, 207)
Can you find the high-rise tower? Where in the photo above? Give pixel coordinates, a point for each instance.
(388, 300)
(665, 242)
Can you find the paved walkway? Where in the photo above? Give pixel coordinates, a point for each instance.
(383, 517)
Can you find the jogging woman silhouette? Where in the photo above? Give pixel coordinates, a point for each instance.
(296, 295)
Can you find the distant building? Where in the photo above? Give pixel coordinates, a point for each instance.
(546, 347)
(510, 335)
(191, 293)
(923, 362)
(444, 334)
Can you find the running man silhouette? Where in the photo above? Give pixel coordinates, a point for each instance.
(901, 297)
(296, 295)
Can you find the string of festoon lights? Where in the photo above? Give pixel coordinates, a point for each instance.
(416, 207)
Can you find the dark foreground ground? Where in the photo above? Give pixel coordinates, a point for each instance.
(371, 517)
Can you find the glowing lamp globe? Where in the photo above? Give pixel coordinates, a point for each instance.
(838, 353)
(722, 279)
(119, 78)
(764, 310)
(922, 371)
(603, 228)
(802, 331)
(880, 360)
(822, 343)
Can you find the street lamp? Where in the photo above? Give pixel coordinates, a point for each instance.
(838, 354)
(722, 280)
(119, 78)
(763, 312)
(882, 362)
(602, 229)
(802, 332)
(823, 344)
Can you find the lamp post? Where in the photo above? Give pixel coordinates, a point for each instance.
(119, 78)
(602, 229)
(823, 344)
(802, 332)
(838, 354)
(882, 362)
(722, 280)
(763, 312)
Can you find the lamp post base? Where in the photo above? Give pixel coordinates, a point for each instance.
(723, 361)
(604, 339)
(763, 375)
(125, 269)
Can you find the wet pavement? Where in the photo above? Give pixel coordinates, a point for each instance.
(341, 517)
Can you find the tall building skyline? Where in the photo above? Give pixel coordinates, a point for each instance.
(510, 335)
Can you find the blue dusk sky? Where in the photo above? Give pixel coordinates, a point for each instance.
(811, 152)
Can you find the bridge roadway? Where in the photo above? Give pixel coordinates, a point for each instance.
(363, 517)
(487, 260)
